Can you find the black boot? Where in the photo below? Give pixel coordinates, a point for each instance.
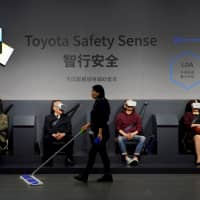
(105, 178)
(82, 178)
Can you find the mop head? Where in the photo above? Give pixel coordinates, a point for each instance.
(31, 180)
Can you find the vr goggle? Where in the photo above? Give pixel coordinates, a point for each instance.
(130, 103)
(196, 105)
(61, 106)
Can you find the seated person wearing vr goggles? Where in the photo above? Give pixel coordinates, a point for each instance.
(129, 127)
(194, 121)
(57, 128)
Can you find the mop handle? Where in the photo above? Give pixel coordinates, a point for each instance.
(59, 150)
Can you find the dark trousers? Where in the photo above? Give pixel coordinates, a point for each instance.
(102, 150)
(51, 145)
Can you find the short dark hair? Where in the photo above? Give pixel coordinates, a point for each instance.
(100, 90)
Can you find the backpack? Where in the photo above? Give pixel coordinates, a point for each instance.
(3, 122)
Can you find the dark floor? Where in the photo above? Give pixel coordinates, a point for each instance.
(137, 186)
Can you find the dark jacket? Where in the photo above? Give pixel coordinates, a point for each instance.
(54, 125)
(100, 116)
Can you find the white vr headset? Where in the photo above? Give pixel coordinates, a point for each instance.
(61, 106)
(131, 103)
(196, 105)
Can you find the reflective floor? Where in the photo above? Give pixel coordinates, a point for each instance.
(124, 187)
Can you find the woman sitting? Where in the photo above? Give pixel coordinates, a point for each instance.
(192, 122)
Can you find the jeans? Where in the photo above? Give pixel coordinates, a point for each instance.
(122, 144)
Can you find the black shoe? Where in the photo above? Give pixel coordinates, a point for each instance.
(197, 163)
(81, 178)
(69, 162)
(105, 178)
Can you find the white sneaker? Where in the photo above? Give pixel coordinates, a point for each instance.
(129, 161)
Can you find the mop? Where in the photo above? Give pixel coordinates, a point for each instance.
(30, 179)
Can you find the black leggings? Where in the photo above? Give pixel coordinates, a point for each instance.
(102, 150)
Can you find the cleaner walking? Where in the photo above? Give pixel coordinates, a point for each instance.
(98, 124)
